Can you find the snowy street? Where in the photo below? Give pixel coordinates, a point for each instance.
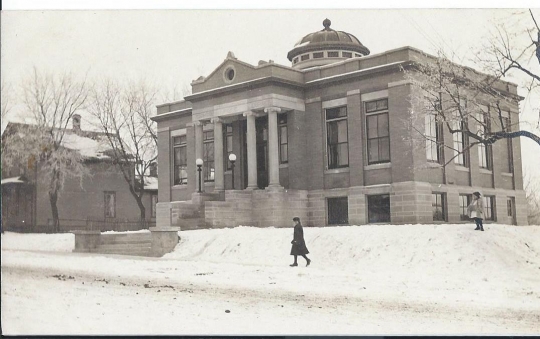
(371, 285)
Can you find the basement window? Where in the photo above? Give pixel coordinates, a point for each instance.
(378, 208)
(338, 211)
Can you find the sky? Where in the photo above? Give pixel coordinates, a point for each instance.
(170, 48)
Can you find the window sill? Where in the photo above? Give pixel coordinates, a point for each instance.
(462, 168)
(179, 187)
(433, 164)
(337, 170)
(378, 166)
(485, 171)
(507, 174)
(209, 183)
(284, 165)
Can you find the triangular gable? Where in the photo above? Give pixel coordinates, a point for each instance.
(242, 72)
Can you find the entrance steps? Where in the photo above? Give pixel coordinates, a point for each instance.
(137, 244)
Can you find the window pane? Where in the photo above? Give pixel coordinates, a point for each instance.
(283, 153)
(338, 211)
(378, 208)
(283, 134)
(382, 104)
(342, 131)
(373, 150)
(333, 156)
(372, 127)
(332, 132)
(382, 127)
(371, 106)
(343, 157)
(384, 147)
(336, 112)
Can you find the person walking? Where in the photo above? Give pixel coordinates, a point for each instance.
(476, 211)
(298, 243)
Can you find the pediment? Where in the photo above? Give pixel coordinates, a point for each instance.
(230, 72)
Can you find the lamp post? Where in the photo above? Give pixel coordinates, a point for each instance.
(199, 163)
(232, 159)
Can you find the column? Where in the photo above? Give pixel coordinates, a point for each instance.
(218, 155)
(197, 125)
(273, 147)
(251, 150)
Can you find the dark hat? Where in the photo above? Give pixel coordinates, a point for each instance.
(477, 194)
(296, 219)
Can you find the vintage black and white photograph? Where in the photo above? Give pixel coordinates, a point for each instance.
(249, 170)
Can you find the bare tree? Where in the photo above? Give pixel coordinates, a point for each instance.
(513, 49)
(533, 200)
(475, 107)
(5, 98)
(124, 113)
(51, 102)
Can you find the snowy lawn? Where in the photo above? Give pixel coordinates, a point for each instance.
(384, 279)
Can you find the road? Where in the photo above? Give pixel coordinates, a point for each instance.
(151, 296)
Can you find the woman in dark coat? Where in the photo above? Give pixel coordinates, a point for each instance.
(298, 243)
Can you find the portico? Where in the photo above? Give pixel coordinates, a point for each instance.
(259, 155)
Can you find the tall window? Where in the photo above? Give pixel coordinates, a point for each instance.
(283, 139)
(438, 206)
(464, 202)
(489, 208)
(460, 140)
(208, 155)
(153, 204)
(228, 145)
(180, 160)
(337, 137)
(507, 150)
(110, 204)
(433, 139)
(484, 151)
(378, 135)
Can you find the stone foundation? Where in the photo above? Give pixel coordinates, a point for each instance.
(410, 203)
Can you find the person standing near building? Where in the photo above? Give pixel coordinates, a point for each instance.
(476, 211)
(298, 243)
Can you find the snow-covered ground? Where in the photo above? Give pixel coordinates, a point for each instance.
(384, 279)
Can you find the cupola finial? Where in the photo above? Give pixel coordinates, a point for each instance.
(326, 23)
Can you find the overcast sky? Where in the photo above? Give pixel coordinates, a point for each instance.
(173, 47)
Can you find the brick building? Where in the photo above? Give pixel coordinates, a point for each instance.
(324, 139)
(101, 200)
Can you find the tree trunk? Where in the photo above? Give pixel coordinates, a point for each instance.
(53, 199)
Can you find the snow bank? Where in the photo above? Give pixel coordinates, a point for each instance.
(64, 242)
(415, 250)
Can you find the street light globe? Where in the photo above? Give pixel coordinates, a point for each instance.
(199, 162)
(232, 157)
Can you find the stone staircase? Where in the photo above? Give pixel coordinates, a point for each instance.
(190, 215)
(138, 244)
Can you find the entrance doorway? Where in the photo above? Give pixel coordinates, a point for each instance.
(261, 131)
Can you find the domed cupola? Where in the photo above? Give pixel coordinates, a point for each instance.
(325, 47)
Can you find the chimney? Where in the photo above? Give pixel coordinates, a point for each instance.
(76, 122)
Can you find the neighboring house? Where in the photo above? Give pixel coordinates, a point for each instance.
(101, 200)
(325, 140)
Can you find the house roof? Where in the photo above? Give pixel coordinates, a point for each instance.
(14, 180)
(91, 145)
